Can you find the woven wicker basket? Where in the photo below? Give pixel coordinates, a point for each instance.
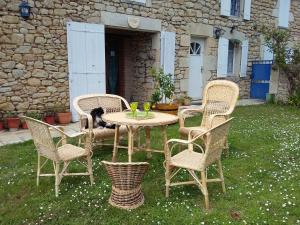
(126, 183)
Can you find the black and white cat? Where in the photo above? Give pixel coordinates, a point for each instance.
(98, 121)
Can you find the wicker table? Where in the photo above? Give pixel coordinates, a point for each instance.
(161, 120)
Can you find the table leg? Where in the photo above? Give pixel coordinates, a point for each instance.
(116, 142)
(147, 131)
(130, 143)
(164, 138)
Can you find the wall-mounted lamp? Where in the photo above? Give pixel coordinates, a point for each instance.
(232, 29)
(25, 9)
(218, 32)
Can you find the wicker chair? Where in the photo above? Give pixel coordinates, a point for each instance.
(193, 161)
(62, 152)
(110, 103)
(126, 183)
(219, 100)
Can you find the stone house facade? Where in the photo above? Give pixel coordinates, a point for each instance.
(67, 48)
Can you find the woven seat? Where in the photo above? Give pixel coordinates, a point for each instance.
(68, 152)
(126, 183)
(84, 104)
(194, 130)
(106, 132)
(60, 153)
(219, 100)
(187, 159)
(192, 161)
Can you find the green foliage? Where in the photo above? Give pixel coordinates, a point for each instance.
(294, 98)
(10, 114)
(277, 41)
(34, 114)
(164, 85)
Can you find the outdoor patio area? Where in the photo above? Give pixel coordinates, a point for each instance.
(261, 173)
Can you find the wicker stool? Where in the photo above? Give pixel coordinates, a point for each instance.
(126, 183)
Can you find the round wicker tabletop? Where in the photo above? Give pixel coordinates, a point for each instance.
(120, 118)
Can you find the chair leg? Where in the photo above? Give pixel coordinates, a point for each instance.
(57, 178)
(38, 170)
(116, 142)
(204, 186)
(90, 168)
(221, 175)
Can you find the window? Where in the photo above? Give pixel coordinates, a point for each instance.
(195, 48)
(230, 62)
(235, 7)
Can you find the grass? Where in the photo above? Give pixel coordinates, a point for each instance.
(262, 173)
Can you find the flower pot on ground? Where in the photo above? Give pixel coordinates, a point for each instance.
(13, 121)
(183, 100)
(50, 119)
(1, 125)
(63, 116)
(171, 108)
(32, 114)
(49, 116)
(24, 125)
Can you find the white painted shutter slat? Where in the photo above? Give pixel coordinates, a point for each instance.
(222, 57)
(244, 58)
(247, 9)
(167, 54)
(284, 13)
(86, 59)
(95, 40)
(225, 7)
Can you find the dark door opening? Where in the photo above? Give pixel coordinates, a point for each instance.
(114, 64)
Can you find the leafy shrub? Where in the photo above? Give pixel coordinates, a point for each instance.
(294, 99)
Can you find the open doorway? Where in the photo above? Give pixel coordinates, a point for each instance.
(129, 57)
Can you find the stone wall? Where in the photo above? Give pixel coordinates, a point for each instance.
(33, 53)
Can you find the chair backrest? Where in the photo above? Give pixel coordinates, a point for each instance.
(109, 103)
(220, 96)
(215, 141)
(42, 138)
(126, 176)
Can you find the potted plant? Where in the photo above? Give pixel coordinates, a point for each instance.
(13, 121)
(32, 114)
(163, 91)
(184, 100)
(49, 116)
(63, 115)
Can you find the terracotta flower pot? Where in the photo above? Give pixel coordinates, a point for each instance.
(1, 125)
(167, 108)
(13, 123)
(64, 117)
(24, 125)
(49, 119)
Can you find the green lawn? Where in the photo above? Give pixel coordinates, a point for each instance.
(262, 177)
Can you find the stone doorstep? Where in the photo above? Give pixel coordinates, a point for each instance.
(20, 136)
